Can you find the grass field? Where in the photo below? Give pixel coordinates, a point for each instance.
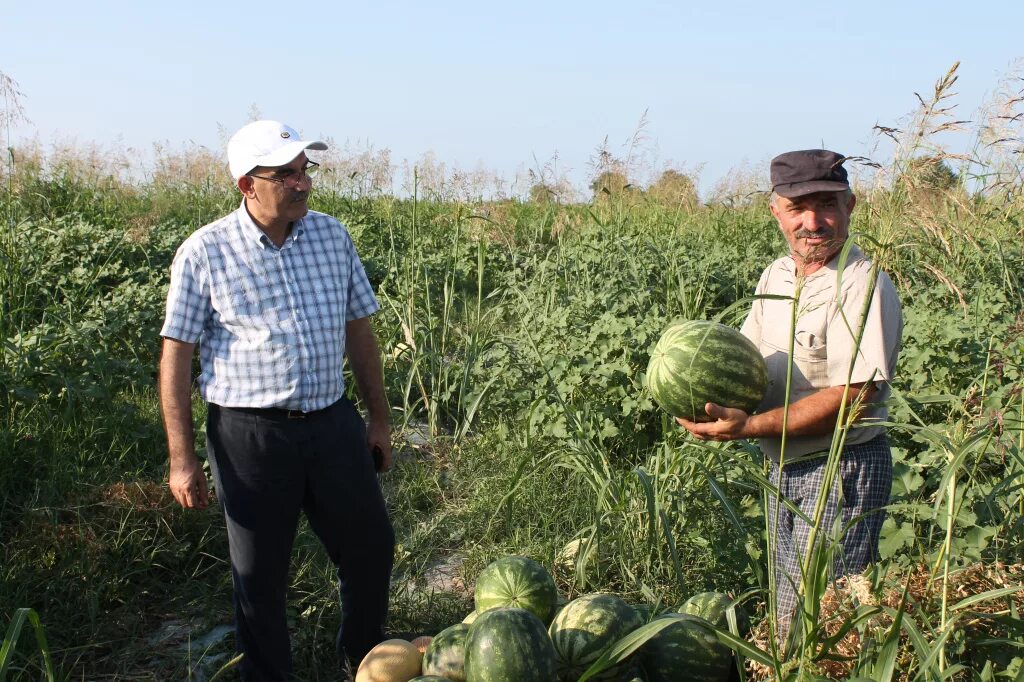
(515, 335)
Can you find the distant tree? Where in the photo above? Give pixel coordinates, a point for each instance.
(555, 191)
(928, 182)
(610, 183)
(929, 173)
(674, 188)
(541, 193)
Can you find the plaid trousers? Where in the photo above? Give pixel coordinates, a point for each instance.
(864, 484)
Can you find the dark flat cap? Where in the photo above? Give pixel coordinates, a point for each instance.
(795, 174)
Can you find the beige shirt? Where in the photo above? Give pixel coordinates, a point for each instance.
(829, 316)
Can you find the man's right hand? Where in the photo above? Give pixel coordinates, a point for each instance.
(727, 423)
(185, 477)
(188, 484)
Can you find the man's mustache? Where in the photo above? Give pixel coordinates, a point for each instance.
(300, 196)
(817, 234)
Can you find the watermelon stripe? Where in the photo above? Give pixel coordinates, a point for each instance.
(517, 581)
(507, 644)
(584, 628)
(685, 651)
(446, 653)
(699, 362)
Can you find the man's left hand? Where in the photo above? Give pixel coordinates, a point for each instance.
(378, 436)
(728, 423)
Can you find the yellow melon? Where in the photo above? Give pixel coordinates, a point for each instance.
(394, 660)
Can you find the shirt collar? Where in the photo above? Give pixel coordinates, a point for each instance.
(252, 231)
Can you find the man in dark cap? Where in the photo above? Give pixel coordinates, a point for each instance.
(843, 339)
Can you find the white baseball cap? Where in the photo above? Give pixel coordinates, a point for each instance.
(265, 143)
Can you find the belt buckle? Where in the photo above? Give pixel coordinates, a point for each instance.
(295, 414)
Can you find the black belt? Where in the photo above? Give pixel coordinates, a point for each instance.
(277, 412)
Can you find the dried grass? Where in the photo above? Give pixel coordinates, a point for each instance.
(923, 595)
(138, 496)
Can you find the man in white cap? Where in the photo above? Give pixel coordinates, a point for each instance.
(275, 296)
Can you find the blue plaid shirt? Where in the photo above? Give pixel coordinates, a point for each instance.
(270, 322)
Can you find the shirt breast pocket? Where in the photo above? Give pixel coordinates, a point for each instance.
(810, 359)
(238, 304)
(810, 346)
(331, 303)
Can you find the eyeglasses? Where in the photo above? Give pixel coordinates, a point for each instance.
(289, 177)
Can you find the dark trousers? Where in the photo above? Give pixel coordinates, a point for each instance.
(268, 467)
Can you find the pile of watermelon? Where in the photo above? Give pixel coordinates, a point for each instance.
(519, 632)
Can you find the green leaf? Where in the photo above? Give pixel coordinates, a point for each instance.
(13, 634)
(894, 538)
(985, 596)
(631, 643)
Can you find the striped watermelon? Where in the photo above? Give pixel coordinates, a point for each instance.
(686, 650)
(633, 673)
(509, 645)
(585, 628)
(646, 612)
(712, 607)
(698, 362)
(446, 654)
(516, 581)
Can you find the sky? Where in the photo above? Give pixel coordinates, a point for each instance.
(715, 85)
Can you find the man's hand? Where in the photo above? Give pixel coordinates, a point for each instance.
(187, 482)
(364, 357)
(729, 424)
(378, 436)
(812, 415)
(185, 476)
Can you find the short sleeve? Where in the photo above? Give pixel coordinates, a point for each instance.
(188, 299)
(361, 300)
(880, 343)
(752, 325)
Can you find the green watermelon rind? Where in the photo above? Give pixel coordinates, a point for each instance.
(686, 650)
(584, 628)
(446, 654)
(713, 607)
(698, 362)
(516, 581)
(507, 644)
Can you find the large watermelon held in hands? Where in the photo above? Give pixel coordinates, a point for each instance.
(584, 628)
(509, 645)
(699, 362)
(516, 581)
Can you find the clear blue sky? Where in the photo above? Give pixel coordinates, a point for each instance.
(502, 84)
